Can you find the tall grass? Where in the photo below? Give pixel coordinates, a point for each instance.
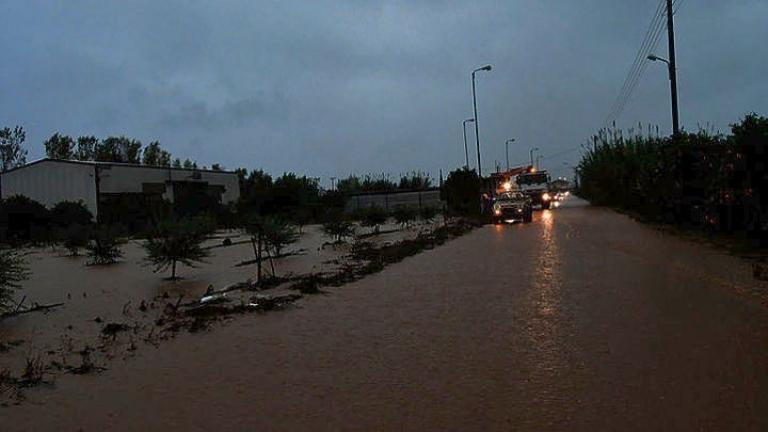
(702, 179)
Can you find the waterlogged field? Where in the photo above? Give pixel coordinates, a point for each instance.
(111, 312)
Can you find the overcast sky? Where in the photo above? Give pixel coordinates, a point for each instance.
(329, 88)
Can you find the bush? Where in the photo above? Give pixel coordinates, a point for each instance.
(428, 214)
(696, 179)
(279, 233)
(104, 247)
(461, 191)
(338, 227)
(172, 242)
(66, 213)
(374, 217)
(24, 219)
(404, 216)
(75, 237)
(13, 270)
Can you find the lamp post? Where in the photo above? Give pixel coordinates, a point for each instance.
(673, 90)
(466, 151)
(507, 146)
(477, 128)
(531, 152)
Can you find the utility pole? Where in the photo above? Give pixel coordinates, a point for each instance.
(672, 68)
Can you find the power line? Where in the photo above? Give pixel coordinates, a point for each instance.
(636, 69)
(650, 42)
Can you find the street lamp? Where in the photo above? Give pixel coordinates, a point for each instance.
(477, 129)
(466, 152)
(673, 90)
(531, 152)
(507, 146)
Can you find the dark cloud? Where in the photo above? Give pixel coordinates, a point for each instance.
(329, 88)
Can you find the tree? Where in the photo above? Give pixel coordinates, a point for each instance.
(373, 217)
(75, 237)
(177, 163)
(86, 147)
(188, 164)
(151, 155)
(278, 233)
(164, 159)
(66, 213)
(119, 149)
(338, 228)
(172, 242)
(461, 190)
(404, 216)
(72, 221)
(12, 154)
(104, 247)
(415, 181)
(254, 225)
(13, 270)
(59, 147)
(217, 167)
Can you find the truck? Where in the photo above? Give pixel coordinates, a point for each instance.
(535, 184)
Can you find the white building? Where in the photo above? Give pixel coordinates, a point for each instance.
(50, 181)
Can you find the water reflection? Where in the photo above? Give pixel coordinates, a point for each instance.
(546, 298)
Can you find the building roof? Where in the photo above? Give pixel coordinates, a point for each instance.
(122, 164)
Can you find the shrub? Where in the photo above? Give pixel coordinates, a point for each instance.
(404, 216)
(428, 214)
(461, 190)
(75, 237)
(172, 242)
(13, 270)
(338, 227)
(24, 219)
(104, 247)
(279, 233)
(66, 213)
(374, 217)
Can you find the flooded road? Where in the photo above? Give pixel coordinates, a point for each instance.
(582, 320)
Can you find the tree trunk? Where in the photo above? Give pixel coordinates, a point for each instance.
(258, 258)
(173, 270)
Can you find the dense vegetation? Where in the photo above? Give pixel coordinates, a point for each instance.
(698, 179)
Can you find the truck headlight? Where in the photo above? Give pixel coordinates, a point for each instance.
(497, 212)
(546, 197)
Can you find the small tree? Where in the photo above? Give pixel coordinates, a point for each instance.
(428, 214)
(104, 247)
(13, 270)
(338, 227)
(173, 242)
(404, 216)
(66, 213)
(374, 217)
(278, 234)
(461, 190)
(75, 238)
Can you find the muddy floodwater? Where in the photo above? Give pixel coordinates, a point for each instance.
(582, 320)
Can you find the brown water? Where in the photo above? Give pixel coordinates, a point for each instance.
(583, 320)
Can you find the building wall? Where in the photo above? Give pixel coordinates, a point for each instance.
(392, 200)
(130, 179)
(49, 183)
